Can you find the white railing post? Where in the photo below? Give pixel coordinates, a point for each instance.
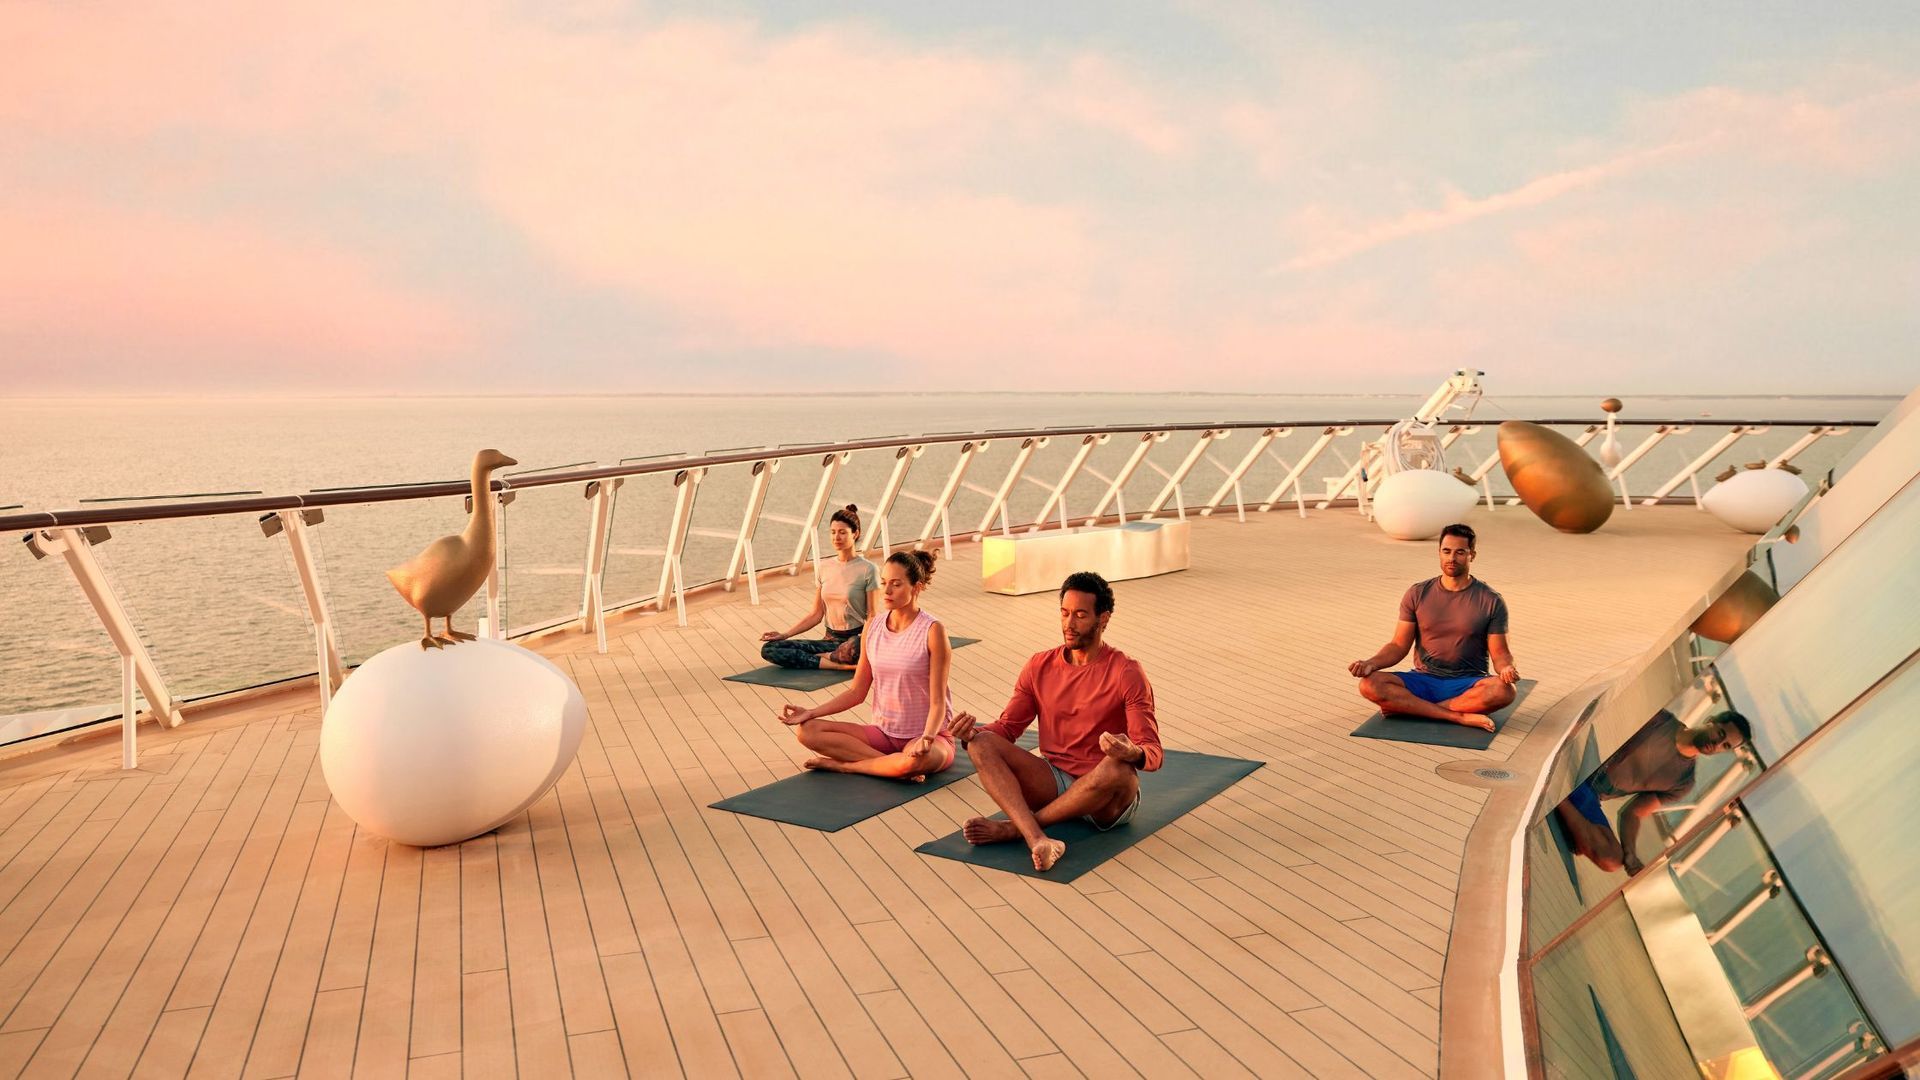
(329, 670)
(75, 547)
(129, 748)
(829, 470)
(1232, 481)
(599, 534)
(1618, 474)
(1292, 479)
(1179, 475)
(750, 522)
(1352, 474)
(1732, 436)
(496, 627)
(1147, 442)
(903, 459)
(1057, 497)
(937, 516)
(686, 485)
(1812, 436)
(1014, 470)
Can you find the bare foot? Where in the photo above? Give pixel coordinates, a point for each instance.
(822, 764)
(1047, 852)
(983, 830)
(1479, 720)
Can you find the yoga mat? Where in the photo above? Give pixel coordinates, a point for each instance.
(832, 801)
(1415, 729)
(1183, 781)
(811, 678)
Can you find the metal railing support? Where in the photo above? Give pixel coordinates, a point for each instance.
(496, 627)
(1148, 440)
(749, 522)
(1733, 435)
(1353, 474)
(599, 534)
(903, 460)
(1812, 436)
(331, 671)
(1179, 474)
(1232, 481)
(998, 504)
(1770, 886)
(938, 515)
(1618, 474)
(1292, 479)
(1816, 965)
(1729, 820)
(75, 547)
(829, 470)
(686, 485)
(1057, 497)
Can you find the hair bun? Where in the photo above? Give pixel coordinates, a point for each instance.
(852, 509)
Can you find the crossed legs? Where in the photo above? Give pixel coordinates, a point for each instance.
(1470, 708)
(1022, 785)
(844, 748)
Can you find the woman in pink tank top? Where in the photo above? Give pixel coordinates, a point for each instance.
(903, 666)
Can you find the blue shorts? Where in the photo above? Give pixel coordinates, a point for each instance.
(1587, 801)
(1433, 688)
(1062, 780)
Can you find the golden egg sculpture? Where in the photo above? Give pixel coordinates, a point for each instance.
(1748, 598)
(1555, 477)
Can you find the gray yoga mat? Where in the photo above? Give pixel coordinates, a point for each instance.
(1414, 729)
(1183, 781)
(812, 678)
(832, 801)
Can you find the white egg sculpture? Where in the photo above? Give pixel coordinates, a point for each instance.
(436, 746)
(1416, 504)
(1754, 500)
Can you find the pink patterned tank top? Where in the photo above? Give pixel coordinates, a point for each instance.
(900, 662)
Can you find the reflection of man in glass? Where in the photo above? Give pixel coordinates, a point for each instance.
(1653, 769)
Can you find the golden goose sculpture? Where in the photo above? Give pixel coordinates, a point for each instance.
(451, 569)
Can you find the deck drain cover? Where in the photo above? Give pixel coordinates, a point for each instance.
(1493, 774)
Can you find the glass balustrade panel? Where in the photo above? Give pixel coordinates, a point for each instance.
(1601, 1009)
(215, 600)
(62, 668)
(546, 531)
(1839, 818)
(637, 538)
(1846, 625)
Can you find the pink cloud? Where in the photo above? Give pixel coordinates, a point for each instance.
(97, 290)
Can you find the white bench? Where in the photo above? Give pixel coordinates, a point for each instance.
(1039, 562)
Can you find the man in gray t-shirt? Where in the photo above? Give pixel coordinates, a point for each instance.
(1457, 625)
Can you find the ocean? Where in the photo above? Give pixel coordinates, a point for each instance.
(219, 607)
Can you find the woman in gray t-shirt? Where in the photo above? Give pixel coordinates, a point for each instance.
(849, 588)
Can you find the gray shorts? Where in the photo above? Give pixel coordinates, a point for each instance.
(1062, 780)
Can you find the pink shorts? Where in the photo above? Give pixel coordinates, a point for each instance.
(887, 744)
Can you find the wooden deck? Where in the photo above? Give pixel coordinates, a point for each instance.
(215, 914)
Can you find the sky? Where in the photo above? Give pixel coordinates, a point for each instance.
(520, 196)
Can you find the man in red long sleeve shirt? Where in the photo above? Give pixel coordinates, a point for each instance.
(1097, 733)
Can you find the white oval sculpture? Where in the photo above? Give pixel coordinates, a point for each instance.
(1417, 503)
(1754, 500)
(436, 746)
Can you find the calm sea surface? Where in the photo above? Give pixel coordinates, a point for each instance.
(220, 608)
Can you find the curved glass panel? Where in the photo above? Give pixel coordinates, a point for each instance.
(1824, 643)
(1602, 1010)
(1839, 818)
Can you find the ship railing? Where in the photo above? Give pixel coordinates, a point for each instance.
(193, 613)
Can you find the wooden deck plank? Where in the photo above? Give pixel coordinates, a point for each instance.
(217, 910)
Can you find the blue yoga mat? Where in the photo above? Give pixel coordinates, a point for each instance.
(811, 678)
(832, 801)
(1183, 781)
(1418, 729)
